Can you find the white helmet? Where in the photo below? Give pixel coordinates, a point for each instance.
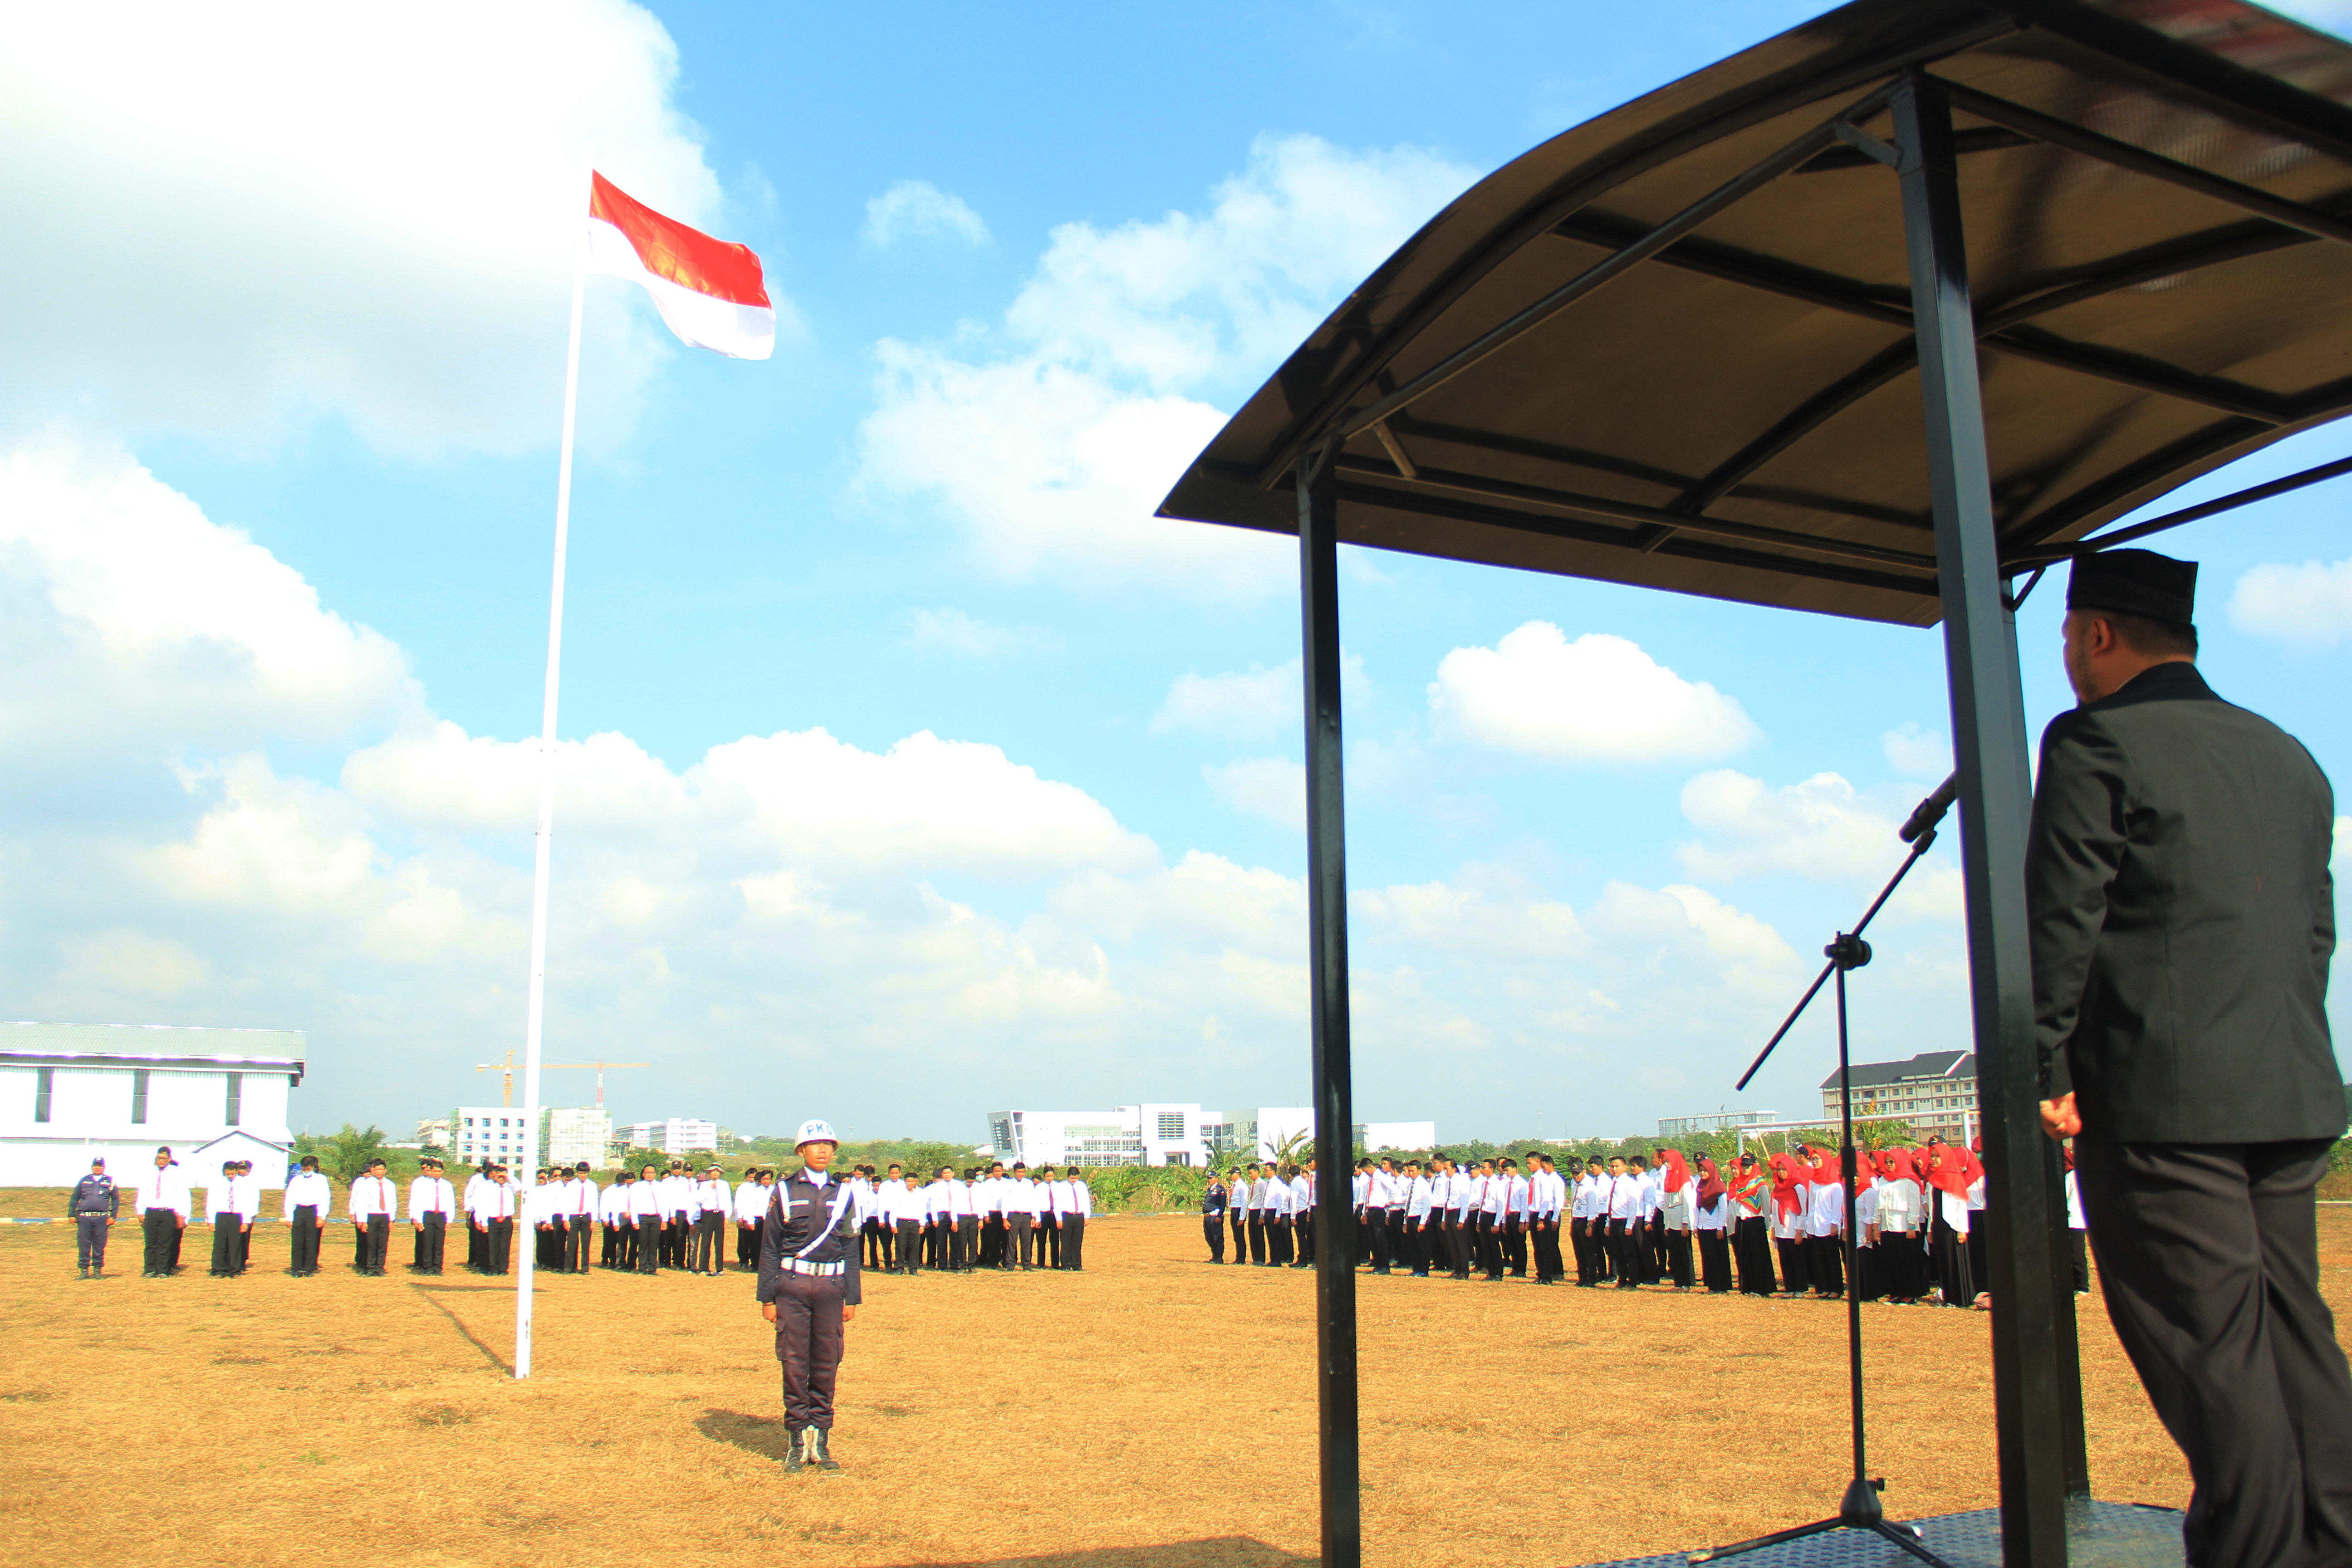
(816, 1132)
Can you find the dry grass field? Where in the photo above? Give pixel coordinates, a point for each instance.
(1153, 1411)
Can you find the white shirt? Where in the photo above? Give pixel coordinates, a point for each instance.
(1059, 1201)
(713, 1197)
(1302, 1194)
(166, 1188)
(676, 1193)
(307, 1188)
(1825, 1214)
(647, 1200)
(1898, 1206)
(613, 1204)
(751, 1203)
(1715, 1216)
(1462, 1193)
(1626, 1200)
(495, 1200)
(240, 1195)
(431, 1194)
(374, 1195)
(1956, 1212)
(474, 1185)
(1360, 1186)
(1383, 1193)
(1653, 1192)
(1081, 1201)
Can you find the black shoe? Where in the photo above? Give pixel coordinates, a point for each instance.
(823, 1460)
(795, 1443)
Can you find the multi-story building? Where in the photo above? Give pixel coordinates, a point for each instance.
(1936, 1092)
(1719, 1121)
(432, 1133)
(479, 1132)
(677, 1135)
(1157, 1135)
(570, 1135)
(71, 1093)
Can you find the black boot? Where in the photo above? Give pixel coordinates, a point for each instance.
(817, 1454)
(796, 1442)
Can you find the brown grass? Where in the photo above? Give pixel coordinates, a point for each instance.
(1151, 1411)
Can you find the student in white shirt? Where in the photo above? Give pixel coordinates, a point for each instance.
(751, 1196)
(1278, 1252)
(1075, 1201)
(164, 1205)
(308, 1198)
(1869, 1277)
(230, 1221)
(1547, 1197)
(902, 1205)
(431, 1204)
(1302, 1213)
(1714, 1227)
(964, 1204)
(493, 1214)
(1900, 1259)
(1625, 1207)
(1417, 1232)
(1020, 1221)
(649, 1219)
(1825, 1219)
(1461, 1217)
(713, 1204)
(612, 1221)
(477, 1245)
(374, 1201)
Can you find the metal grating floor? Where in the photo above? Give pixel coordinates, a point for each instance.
(2099, 1535)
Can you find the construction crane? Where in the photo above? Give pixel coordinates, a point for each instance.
(506, 1070)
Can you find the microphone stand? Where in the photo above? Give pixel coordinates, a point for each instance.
(1860, 1508)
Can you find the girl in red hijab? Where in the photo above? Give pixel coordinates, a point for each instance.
(1790, 1206)
(1714, 1228)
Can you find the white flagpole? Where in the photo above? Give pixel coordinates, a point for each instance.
(525, 1240)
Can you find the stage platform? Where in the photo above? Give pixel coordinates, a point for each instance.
(2099, 1535)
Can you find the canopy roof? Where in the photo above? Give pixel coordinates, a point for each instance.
(2158, 197)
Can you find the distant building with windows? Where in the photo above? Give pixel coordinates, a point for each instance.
(1720, 1121)
(70, 1093)
(1936, 1093)
(1152, 1134)
(677, 1135)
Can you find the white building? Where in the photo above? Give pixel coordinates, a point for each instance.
(1165, 1134)
(70, 1093)
(433, 1133)
(570, 1135)
(679, 1135)
(1401, 1136)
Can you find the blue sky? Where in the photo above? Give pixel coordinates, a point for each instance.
(275, 507)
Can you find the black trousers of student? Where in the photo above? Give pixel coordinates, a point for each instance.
(1546, 1238)
(675, 1232)
(1625, 1241)
(90, 1240)
(1302, 1231)
(1514, 1246)
(497, 1251)
(910, 1247)
(375, 1240)
(1714, 1261)
(477, 1248)
(808, 1344)
(162, 1225)
(1678, 1258)
(1979, 1262)
(1212, 1231)
(1240, 1221)
(1580, 1241)
(577, 1230)
(747, 1245)
(1016, 1240)
(1456, 1239)
(1258, 1235)
(1373, 1226)
(1751, 1243)
(2209, 1261)
(1280, 1237)
(1074, 1242)
(709, 1256)
(306, 1240)
(1490, 1245)
(432, 1237)
(1825, 1264)
(869, 1244)
(651, 1242)
(961, 1231)
(225, 1229)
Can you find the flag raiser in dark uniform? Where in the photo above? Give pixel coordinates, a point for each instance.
(808, 1275)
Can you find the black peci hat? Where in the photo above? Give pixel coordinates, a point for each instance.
(2135, 583)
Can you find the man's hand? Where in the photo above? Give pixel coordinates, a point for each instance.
(768, 1310)
(2060, 1119)
(848, 1314)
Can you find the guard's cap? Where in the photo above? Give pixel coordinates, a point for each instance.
(2135, 583)
(582, 1167)
(99, 1164)
(816, 1132)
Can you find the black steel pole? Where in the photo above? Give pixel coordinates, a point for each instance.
(1326, 961)
(1989, 745)
(1853, 1247)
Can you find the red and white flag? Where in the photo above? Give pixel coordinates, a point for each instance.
(710, 292)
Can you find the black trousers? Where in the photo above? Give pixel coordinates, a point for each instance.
(707, 1258)
(430, 1242)
(1514, 1246)
(675, 1230)
(1278, 1240)
(1825, 1264)
(1580, 1240)
(1490, 1244)
(1752, 1245)
(1549, 1262)
(1212, 1231)
(1240, 1219)
(1796, 1277)
(498, 1255)
(376, 1240)
(1678, 1258)
(1714, 1261)
(808, 1342)
(650, 1242)
(1016, 1244)
(225, 1229)
(1258, 1235)
(306, 1240)
(1372, 1238)
(1625, 1240)
(1074, 1241)
(1395, 1238)
(90, 1240)
(577, 1230)
(1302, 1232)
(910, 1247)
(162, 1225)
(2208, 1259)
(1456, 1237)
(747, 1245)
(967, 1241)
(478, 1248)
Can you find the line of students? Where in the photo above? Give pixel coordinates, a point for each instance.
(986, 1217)
(1630, 1222)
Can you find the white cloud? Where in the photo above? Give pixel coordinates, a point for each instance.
(1598, 699)
(1052, 440)
(1821, 828)
(238, 232)
(1272, 789)
(917, 209)
(2308, 605)
(952, 631)
(1252, 703)
(1917, 753)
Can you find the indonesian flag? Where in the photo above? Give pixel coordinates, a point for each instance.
(709, 291)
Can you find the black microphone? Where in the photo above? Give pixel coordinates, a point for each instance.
(1931, 810)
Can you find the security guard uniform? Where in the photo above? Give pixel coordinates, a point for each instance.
(808, 1273)
(95, 1205)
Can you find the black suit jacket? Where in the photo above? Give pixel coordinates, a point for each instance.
(2182, 918)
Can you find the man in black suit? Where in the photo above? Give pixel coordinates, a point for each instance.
(2182, 918)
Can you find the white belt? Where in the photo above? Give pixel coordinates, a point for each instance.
(800, 1266)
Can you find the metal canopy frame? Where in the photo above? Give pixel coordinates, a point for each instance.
(1348, 428)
